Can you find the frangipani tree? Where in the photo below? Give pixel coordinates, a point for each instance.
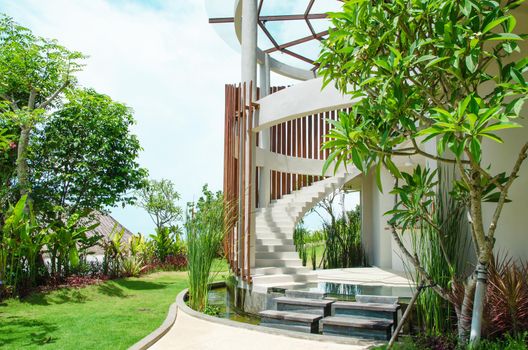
(429, 70)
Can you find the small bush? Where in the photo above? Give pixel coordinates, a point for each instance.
(507, 298)
(132, 267)
(172, 263)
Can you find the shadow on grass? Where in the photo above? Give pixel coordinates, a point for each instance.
(61, 296)
(20, 331)
(141, 285)
(117, 288)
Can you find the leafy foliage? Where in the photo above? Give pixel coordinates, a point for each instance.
(85, 157)
(421, 77)
(159, 199)
(343, 246)
(426, 73)
(205, 229)
(507, 306)
(20, 243)
(34, 72)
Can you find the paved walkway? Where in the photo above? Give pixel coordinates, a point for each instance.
(364, 276)
(191, 333)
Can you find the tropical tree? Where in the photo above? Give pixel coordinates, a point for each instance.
(425, 71)
(34, 72)
(159, 199)
(84, 156)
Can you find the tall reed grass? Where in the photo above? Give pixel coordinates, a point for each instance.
(205, 229)
(444, 255)
(343, 246)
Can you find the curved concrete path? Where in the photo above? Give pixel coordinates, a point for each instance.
(191, 333)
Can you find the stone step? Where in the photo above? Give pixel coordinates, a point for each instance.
(357, 327)
(267, 288)
(387, 312)
(277, 255)
(284, 278)
(283, 210)
(274, 248)
(263, 228)
(308, 323)
(292, 293)
(279, 270)
(379, 299)
(273, 241)
(274, 235)
(304, 305)
(278, 263)
(290, 227)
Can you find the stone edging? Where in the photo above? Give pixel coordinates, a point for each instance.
(181, 306)
(153, 337)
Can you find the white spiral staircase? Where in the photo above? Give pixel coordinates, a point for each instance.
(277, 263)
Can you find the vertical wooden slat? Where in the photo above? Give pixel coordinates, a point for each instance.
(317, 144)
(250, 131)
(310, 136)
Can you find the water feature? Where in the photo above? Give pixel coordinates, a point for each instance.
(224, 299)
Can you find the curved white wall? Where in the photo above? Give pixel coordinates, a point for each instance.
(301, 99)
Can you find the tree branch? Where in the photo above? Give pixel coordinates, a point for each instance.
(416, 263)
(504, 192)
(12, 101)
(32, 97)
(54, 95)
(430, 156)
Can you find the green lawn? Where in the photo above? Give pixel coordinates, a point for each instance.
(113, 315)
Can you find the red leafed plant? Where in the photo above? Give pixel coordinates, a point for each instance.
(507, 298)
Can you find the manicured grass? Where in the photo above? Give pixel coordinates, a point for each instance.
(112, 315)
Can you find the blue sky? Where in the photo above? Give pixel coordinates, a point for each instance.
(164, 60)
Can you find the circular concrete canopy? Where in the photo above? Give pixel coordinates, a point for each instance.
(289, 31)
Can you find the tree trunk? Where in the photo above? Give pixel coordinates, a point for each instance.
(484, 248)
(22, 161)
(464, 319)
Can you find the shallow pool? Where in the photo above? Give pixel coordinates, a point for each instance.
(224, 299)
(345, 291)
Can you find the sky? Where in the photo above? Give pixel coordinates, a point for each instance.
(164, 60)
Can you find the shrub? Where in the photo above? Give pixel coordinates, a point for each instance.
(507, 298)
(343, 246)
(172, 263)
(132, 266)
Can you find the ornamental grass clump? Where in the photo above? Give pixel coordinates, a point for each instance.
(205, 228)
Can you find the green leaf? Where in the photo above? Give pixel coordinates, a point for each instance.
(471, 63)
(504, 36)
(74, 257)
(501, 126)
(392, 168)
(436, 61)
(494, 23)
(378, 176)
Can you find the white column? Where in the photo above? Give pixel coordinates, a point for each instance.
(249, 74)
(265, 178)
(249, 42)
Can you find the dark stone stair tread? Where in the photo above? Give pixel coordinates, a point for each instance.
(304, 301)
(357, 322)
(366, 306)
(290, 316)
